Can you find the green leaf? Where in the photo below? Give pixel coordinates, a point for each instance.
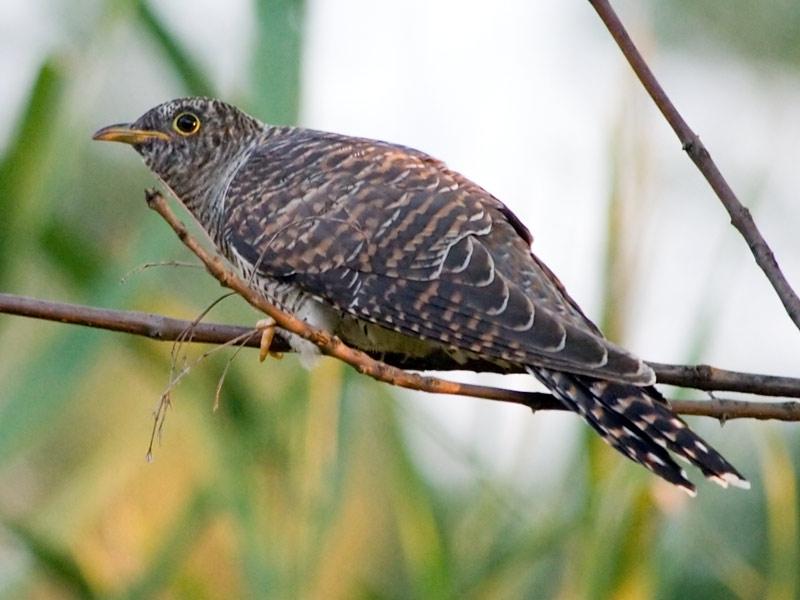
(60, 564)
(44, 387)
(24, 166)
(758, 32)
(276, 65)
(69, 252)
(176, 546)
(182, 62)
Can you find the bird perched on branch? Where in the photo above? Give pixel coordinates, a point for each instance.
(396, 254)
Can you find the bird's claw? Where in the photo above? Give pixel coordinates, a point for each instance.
(267, 327)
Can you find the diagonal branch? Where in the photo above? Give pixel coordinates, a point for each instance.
(740, 216)
(331, 345)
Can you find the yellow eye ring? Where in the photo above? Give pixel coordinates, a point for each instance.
(186, 123)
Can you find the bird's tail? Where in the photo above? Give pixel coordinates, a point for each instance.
(639, 423)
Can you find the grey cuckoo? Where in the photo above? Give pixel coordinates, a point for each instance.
(387, 248)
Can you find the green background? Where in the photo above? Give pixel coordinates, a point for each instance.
(305, 483)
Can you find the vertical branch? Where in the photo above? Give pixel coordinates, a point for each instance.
(741, 218)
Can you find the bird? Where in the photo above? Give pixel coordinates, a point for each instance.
(387, 248)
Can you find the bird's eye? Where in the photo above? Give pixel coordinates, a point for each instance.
(186, 123)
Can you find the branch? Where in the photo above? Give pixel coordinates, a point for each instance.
(157, 327)
(162, 328)
(144, 324)
(740, 216)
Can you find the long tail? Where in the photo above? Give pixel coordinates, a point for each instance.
(639, 423)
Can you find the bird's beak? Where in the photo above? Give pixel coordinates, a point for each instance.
(126, 134)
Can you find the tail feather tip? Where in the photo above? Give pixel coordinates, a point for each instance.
(736, 481)
(728, 478)
(719, 480)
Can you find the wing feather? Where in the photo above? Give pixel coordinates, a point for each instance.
(390, 235)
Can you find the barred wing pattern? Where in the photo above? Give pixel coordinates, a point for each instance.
(638, 422)
(398, 240)
(390, 236)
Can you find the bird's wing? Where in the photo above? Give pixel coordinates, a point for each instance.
(391, 236)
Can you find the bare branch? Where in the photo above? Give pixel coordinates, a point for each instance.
(708, 378)
(740, 216)
(725, 410)
(149, 325)
(702, 377)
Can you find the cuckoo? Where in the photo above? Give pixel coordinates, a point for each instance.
(400, 256)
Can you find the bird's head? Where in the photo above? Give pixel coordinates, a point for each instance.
(192, 144)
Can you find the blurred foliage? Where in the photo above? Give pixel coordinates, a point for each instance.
(303, 484)
(766, 32)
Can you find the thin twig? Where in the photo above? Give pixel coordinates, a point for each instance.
(159, 416)
(186, 334)
(165, 401)
(740, 216)
(161, 263)
(221, 381)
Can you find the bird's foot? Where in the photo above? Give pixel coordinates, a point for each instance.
(267, 327)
